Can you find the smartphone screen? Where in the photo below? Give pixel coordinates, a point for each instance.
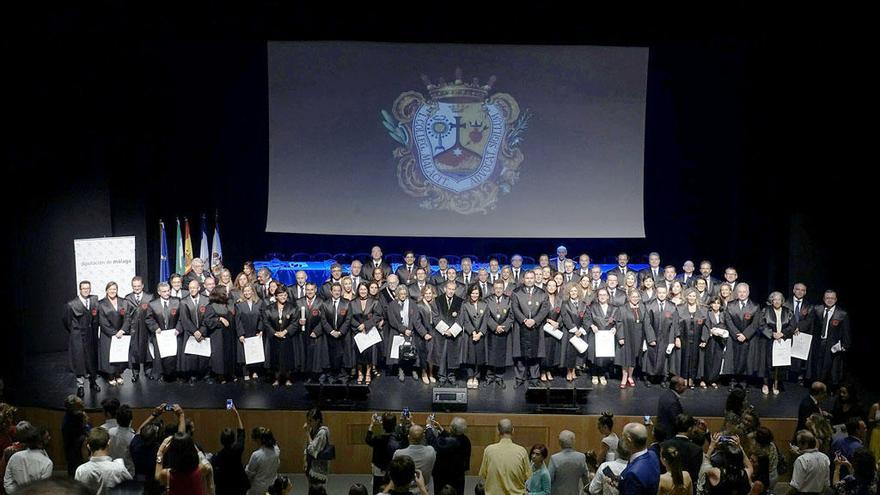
(229, 404)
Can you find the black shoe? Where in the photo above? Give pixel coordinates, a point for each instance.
(192, 380)
(134, 377)
(322, 379)
(415, 376)
(150, 377)
(80, 392)
(94, 387)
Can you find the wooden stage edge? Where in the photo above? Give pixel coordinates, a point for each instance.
(348, 429)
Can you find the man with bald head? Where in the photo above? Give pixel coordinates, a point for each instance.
(642, 474)
(568, 467)
(505, 467)
(424, 456)
(741, 317)
(453, 453)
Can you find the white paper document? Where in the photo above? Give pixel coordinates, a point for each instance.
(669, 348)
(800, 346)
(366, 340)
(455, 329)
(579, 344)
(254, 352)
(441, 326)
(396, 342)
(196, 348)
(167, 342)
(782, 352)
(604, 344)
(555, 333)
(119, 349)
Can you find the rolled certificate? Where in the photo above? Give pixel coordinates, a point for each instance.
(302, 313)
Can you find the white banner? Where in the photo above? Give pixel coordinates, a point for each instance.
(103, 260)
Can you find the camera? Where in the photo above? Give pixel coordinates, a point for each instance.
(406, 414)
(229, 404)
(169, 407)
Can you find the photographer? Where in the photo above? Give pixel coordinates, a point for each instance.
(864, 473)
(381, 437)
(731, 469)
(810, 473)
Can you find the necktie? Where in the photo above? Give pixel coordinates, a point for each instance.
(797, 311)
(165, 312)
(595, 285)
(742, 305)
(497, 300)
(467, 279)
(655, 272)
(662, 305)
(196, 306)
(87, 304)
(636, 313)
(825, 324)
(448, 302)
(568, 278)
(137, 298)
(335, 311)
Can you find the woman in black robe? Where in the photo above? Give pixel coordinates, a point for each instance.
(603, 316)
(364, 317)
(114, 325)
(717, 348)
(473, 311)
(551, 344)
(247, 325)
(690, 330)
(630, 337)
(220, 326)
(278, 323)
(778, 326)
(572, 324)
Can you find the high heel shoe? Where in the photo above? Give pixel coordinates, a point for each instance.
(368, 379)
(630, 382)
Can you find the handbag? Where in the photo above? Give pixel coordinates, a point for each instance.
(407, 351)
(328, 453)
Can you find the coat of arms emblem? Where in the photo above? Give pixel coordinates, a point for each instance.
(459, 147)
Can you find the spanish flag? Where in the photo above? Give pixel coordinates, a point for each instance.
(187, 246)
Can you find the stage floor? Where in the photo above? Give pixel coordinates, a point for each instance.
(51, 382)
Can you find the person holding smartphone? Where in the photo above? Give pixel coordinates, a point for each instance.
(229, 475)
(608, 473)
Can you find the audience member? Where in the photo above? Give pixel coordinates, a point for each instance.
(453, 452)
(811, 471)
(505, 466)
(423, 456)
(262, 468)
(539, 482)
(101, 473)
(642, 473)
(568, 467)
(30, 464)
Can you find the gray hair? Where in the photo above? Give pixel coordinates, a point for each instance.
(197, 260)
(774, 295)
(458, 426)
(163, 285)
(741, 284)
(505, 427)
(637, 436)
(566, 439)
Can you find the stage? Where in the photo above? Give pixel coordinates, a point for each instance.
(50, 382)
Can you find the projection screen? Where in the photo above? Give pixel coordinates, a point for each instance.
(456, 140)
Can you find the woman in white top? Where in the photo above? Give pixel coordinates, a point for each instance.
(262, 468)
(608, 446)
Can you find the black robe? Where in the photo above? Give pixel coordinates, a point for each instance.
(603, 321)
(192, 319)
(499, 347)
(223, 339)
(551, 345)
(768, 324)
(281, 357)
(528, 343)
(369, 317)
(572, 318)
(82, 328)
(742, 322)
(337, 319)
(156, 322)
(397, 328)
(663, 329)
(317, 354)
(802, 321)
(450, 351)
(718, 353)
(828, 366)
(110, 321)
(688, 362)
(633, 332)
(136, 314)
(429, 316)
(472, 321)
(247, 324)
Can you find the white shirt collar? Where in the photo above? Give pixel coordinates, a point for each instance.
(641, 452)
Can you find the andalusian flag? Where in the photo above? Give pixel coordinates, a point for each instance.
(187, 246)
(164, 270)
(180, 266)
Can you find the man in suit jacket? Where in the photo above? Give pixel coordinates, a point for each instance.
(642, 473)
(298, 290)
(136, 304)
(197, 273)
(450, 353)
(376, 261)
(557, 263)
(460, 288)
(741, 317)
(389, 293)
(668, 278)
(192, 321)
(583, 268)
(621, 269)
(568, 467)
(801, 313)
(596, 278)
(335, 320)
(810, 404)
(569, 276)
(530, 309)
(81, 322)
(439, 278)
(654, 271)
(335, 278)
(516, 269)
(831, 338)
(163, 314)
(467, 275)
(691, 453)
(687, 276)
(357, 275)
(616, 295)
(421, 280)
(453, 453)
(407, 271)
(669, 405)
(712, 283)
